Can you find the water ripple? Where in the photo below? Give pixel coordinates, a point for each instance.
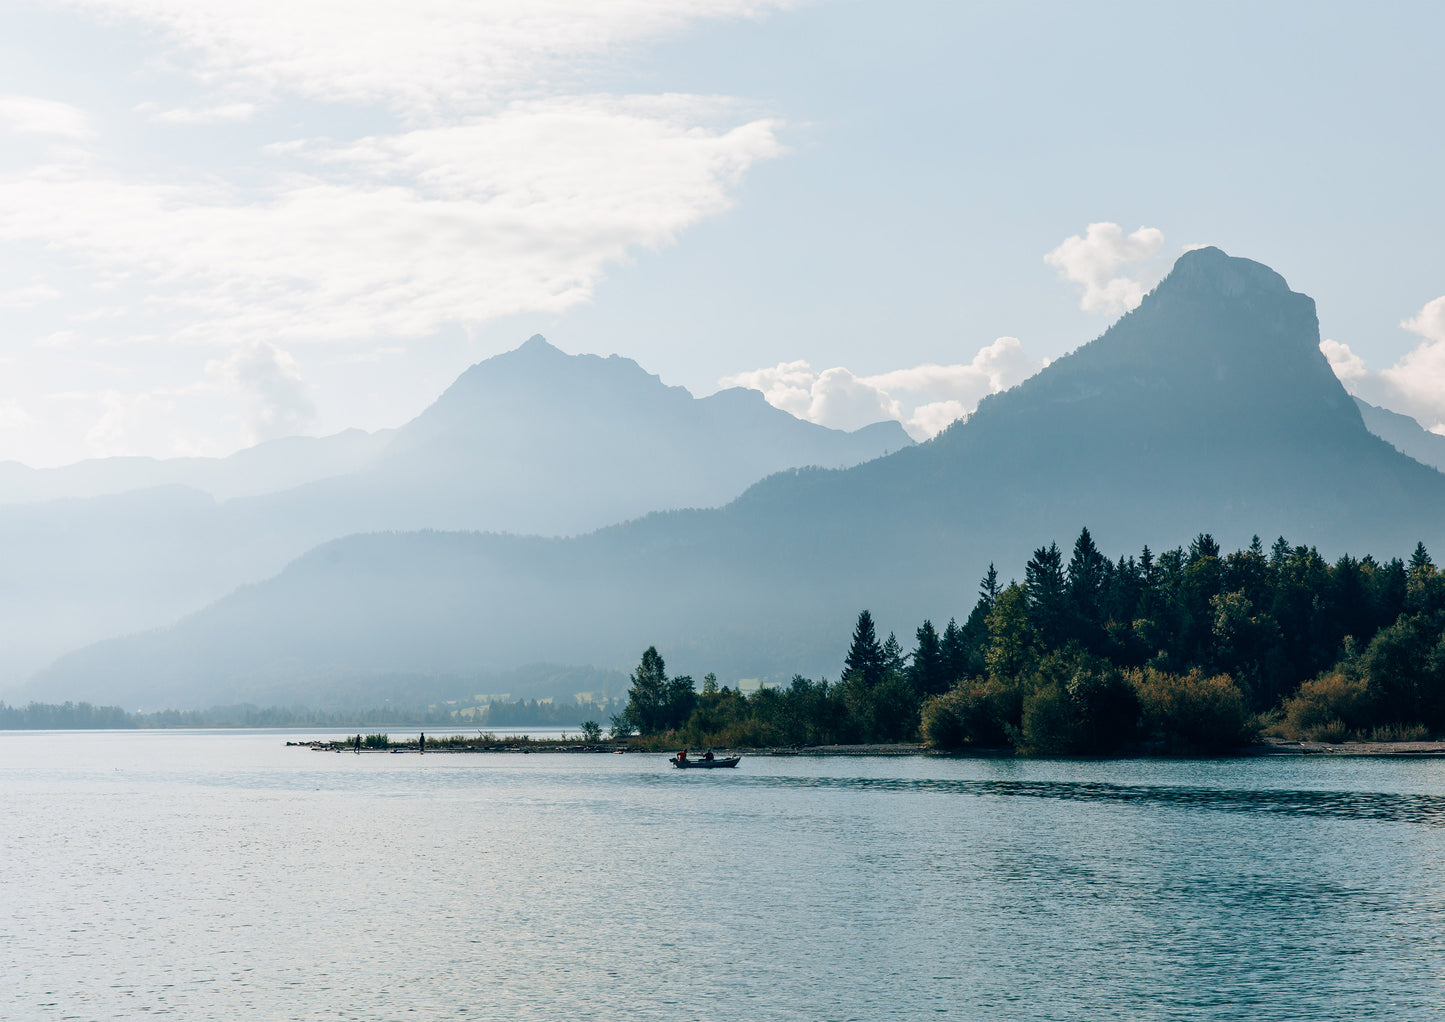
(1427, 810)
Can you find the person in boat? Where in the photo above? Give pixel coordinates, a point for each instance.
(682, 756)
(708, 756)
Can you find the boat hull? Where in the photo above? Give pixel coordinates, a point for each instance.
(702, 764)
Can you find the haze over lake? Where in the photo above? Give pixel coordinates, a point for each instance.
(225, 876)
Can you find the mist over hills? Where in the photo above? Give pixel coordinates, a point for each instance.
(533, 440)
(265, 468)
(1404, 434)
(538, 442)
(1208, 408)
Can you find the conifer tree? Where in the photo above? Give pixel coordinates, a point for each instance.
(954, 650)
(1087, 574)
(988, 588)
(926, 672)
(1044, 582)
(892, 655)
(865, 655)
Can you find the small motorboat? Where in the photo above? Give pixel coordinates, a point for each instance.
(705, 764)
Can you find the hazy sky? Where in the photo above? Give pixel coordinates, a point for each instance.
(221, 222)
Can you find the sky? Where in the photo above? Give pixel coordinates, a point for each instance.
(226, 222)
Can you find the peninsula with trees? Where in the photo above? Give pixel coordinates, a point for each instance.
(1187, 651)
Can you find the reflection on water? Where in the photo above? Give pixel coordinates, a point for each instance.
(226, 877)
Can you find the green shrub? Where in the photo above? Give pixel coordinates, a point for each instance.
(1050, 725)
(1194, 711)
(1400, 733)
(1327, 708)
(978, 713)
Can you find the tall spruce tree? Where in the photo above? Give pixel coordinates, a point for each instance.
(954, 651)
(988, 588)
(865, 655)
(1087, 576)
(892, 655)
(1046, 588)
(926, 672)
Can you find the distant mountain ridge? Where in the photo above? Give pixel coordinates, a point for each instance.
(533, 440)
(1210, 407)
(536, 441)
(1404, 434)
(265, 468)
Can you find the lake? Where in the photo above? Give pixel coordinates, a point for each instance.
(222, 875)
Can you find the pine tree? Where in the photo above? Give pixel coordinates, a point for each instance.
(954, 650)
(988, 588)
(1204, 545)
(1087, 574)
(892, 655)
(1044, 582)
(927, 672)
(865, 655)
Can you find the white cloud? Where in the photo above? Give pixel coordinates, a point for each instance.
(28, 115)
(427, 58)
(1415, 385)
(28, 297)
(397, 236)
(271, 379)
(1347, 365)
(225, 113)
(495, 180)
(1429, 322)
(844, 401)
(1096, 259)
(925, 398)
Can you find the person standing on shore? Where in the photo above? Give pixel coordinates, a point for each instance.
(421, 743)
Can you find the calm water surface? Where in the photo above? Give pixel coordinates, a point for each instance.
(222, 875)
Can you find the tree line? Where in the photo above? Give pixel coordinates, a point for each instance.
(1191, 649)
(84, 716)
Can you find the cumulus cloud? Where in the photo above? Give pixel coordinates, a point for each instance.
(1095, 260)
(1415, 385)
(1429, 322)
(29, 115)
(1347, 365)
(271, 379)
(924, 398)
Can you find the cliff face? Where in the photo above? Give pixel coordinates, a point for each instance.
(1208, 408)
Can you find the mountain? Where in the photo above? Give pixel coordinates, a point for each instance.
(1209, 407)
(533, 440)
(1404, 434)
(540, 442)
(266, 468)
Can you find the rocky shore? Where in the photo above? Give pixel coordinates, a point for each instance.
(1286, 747)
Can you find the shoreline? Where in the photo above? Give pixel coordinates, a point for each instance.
(1268, 747)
